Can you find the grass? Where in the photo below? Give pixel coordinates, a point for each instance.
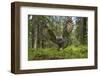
(71, 52)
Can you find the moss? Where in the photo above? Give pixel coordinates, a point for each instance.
(70, 52)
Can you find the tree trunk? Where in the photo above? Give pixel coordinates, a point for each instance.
(35, 37)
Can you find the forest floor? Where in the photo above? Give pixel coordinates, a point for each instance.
(70, 52)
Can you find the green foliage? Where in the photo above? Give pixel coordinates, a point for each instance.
(81, 30)
(43, 32)
(71, 52)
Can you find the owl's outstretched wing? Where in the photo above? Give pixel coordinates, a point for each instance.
(68, 27)
(67, 30)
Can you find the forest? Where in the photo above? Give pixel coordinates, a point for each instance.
(57, 37)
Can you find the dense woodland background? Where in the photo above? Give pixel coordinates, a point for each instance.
(57, 37)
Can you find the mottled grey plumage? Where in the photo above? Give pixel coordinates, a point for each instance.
(60, 41)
